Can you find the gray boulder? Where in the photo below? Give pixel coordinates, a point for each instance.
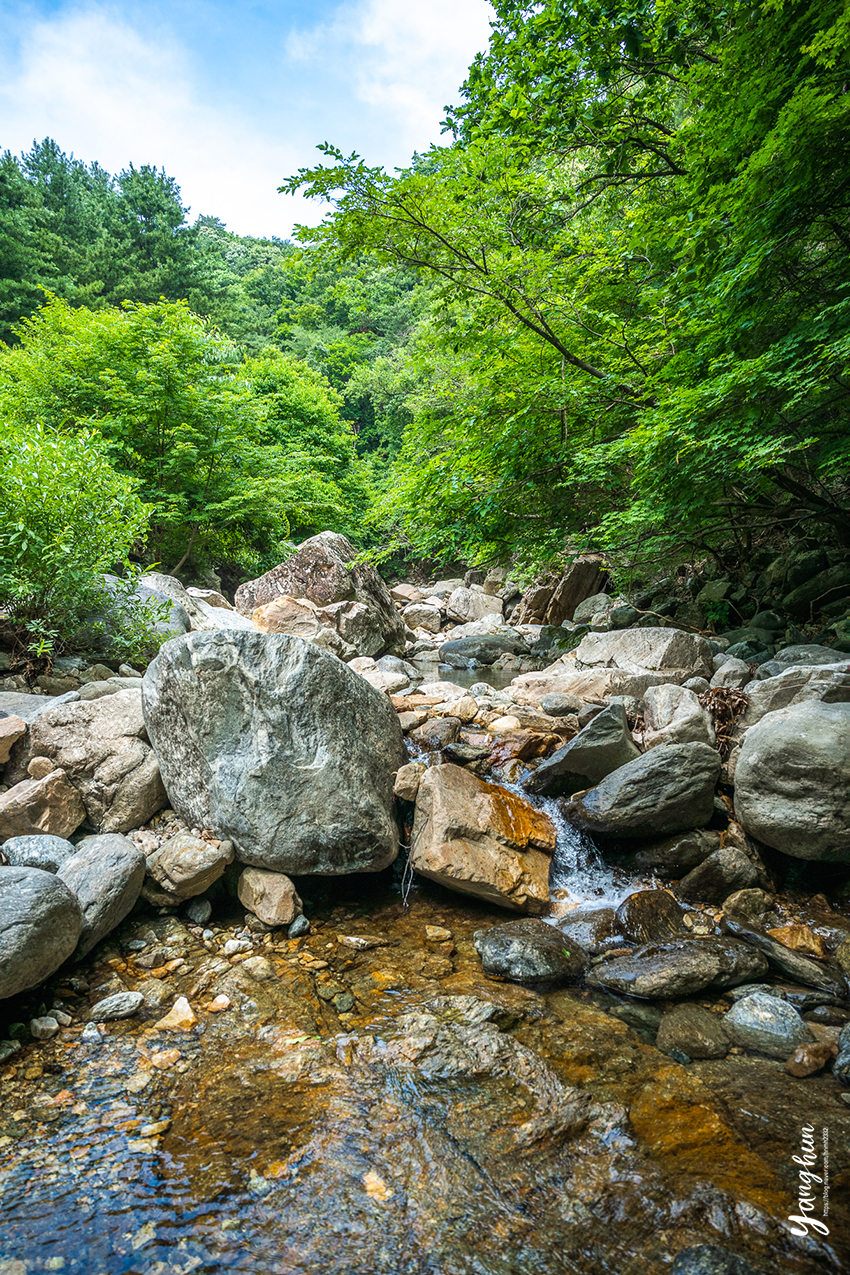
(530, 951)
(40, 923)
(650, 648)
(674, 715)
(604, 745)
(325, 572)
(681, 967)
(467, 605)
(720, 875)
(102, 746)
(791, 963)
(484, 648)
(29, 707)
(817, 591)
(792, 781)
(694, 1031)
(277, 746)
(667, 790)
(106, 876)
(676, 856)
(766, 1024)
(38, 851)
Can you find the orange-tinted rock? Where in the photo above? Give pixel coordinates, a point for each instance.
(11, 730)
(524, 744)
(807, 1059)
(799, 938)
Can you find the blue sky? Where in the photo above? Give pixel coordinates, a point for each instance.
(230, 98)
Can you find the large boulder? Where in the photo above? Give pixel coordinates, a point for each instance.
(766, 1024)
(565, 678)
(666, 790)
(467, 605)
(557, 599)
(486, 648)
(681, 967)
(40, 923)
(792, 781)
(324, 571)
(653, 649)
(102, 746)
(602, 746)
(201, 614)
(674, 715)
(795, 685)
(277, 746)
(106, 876)
(50, 804)
(38, 851)
(480, 839)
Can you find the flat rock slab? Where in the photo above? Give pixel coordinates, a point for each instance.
(681, 967)
(277, 746)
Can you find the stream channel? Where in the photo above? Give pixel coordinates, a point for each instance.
(379, 1106)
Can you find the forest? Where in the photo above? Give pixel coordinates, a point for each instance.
(609, 311)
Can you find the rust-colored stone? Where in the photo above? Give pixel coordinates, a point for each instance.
(800, 938)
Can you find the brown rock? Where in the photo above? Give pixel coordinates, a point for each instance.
(50, 805)
(271, 896)
(524, 744)
(11, 730)
(807, 1059)
(799, 938)
(650, 914)
(185, 866)
(407, 779)
(180, 1017)
(477, 838)
(40, 768)
(296, 616)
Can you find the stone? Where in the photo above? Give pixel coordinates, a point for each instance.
(792, 781)
(709, 1259)
(407, 779)
(580, 581)
(51, 805)
(800, 968)
(676, 856)
(259, 968)
(725, 871)
(667, 790)
(40, 923)
(278, 746)
(484, 648)
(389, 683)
(651, 648)
(816, 592)
(559, 705)
(603, 746)
(38, 851)
(102, 745)
(693, 1031)
(530, 951)
(121, 1005)
(732, 672)
(841, 1067)
(40, 768)
(586, 684)
(405, 594)
(325, 572)
(591, 606)
(800, 938)
(674, 715)
(595, 929)
(751, 905)
(185, 866)
(681, 967)
(437, 733)
(698, 685)
(181, 1017)
(807, 1059)
(827, 683)
(199, 911)
(30, 707)
(767, 1025)
(650, 915)
(43, 1028)
(106, 875)
(421, 616)
(212, 597)
(465, 605)
(11, 730)
(296, 616)
(505, 724)
(271, 896)
(437, 934)
(480, 839)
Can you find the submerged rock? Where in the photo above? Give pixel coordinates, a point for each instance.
(279, 747)
(694, 1031)
(530, 951)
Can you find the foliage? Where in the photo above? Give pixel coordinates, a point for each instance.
(66, 517)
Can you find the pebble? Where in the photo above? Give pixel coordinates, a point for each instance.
(91, 1032)
(298, 927)
(121, 1005)
(43, 1028)
(165, 1058)
(234, 946)
(437, 933)
(139, 1081)
(199, 911)
(180, 1017)
(153, 1130)
(218, 1004)
(259, 968)
(63, 1019)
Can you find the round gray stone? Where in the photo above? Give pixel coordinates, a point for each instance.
(38, 851)
(767, 1025)
(530, 951)
(121, 1005)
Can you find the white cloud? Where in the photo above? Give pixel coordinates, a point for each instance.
(101, 89)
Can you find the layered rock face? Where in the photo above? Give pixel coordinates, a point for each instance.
(279, 747)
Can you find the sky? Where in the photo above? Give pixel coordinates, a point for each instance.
(233, 98)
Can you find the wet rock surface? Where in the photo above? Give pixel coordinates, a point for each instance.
(681, 967)
(530, 951)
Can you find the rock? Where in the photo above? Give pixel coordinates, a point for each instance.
(279, 747)
(185, 866)
(11, 730)
(693, 1031)
(40, 768)
(530, 951)
(841, 1068)
(681, 967)
(708, 1259)
(180, 1017)
(748, 989)
(421, 616)
(595, 929)
(437, 934)
(586, 684)
(732, 672)
(749, 906)
(50, 805)
(437, 733)
(199, 911)
(103, 747)
(652, 649)
(38, 851)
(259, 968)
(106, 875)
(676, 856)
(407, 779)
(485, 648)
(674, 715)
(792, 781)
(807, 1059)
(389, 683)
(271, 896)
(480, 839)
(667, 790)
(800, 968)
(405, 594)
(464, 605)
(723, 872)
(698, 685)
(296, 616)
(650, 915)
(800, 938)
(212, 597)
(818, 591)
(322, 572)
(603, 746)
(589, 607)
(559, 705)
(503, 725)
(121, 1005)
(43, 1028)
(767, 1025)
(30, 707)
(40, 923)
(202, 612)
(828, 683)
(556, 601)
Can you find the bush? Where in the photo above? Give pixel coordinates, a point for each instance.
(66, 517)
